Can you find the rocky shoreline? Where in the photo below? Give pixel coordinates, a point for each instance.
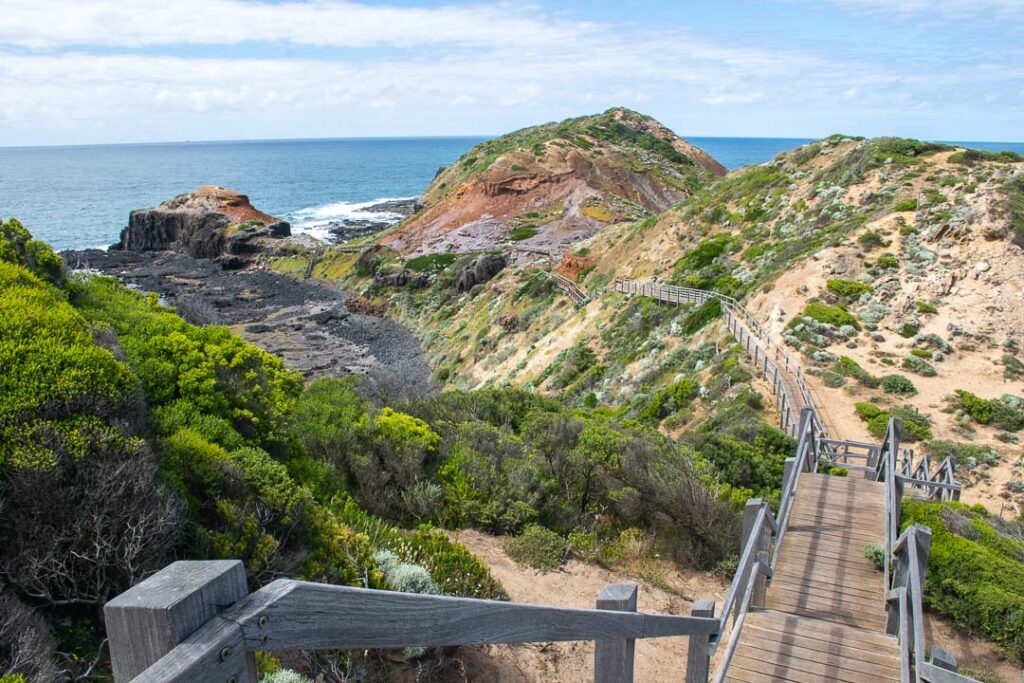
(307, 323)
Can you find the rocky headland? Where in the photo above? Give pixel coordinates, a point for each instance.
(203, 252)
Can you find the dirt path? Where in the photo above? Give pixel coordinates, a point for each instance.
(577, 585)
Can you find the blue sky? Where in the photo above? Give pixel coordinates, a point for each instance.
(95, 71)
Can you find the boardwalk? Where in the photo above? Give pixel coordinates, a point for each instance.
(824, 617)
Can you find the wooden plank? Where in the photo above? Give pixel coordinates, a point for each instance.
(866, 623)
(853, 561)
(841, 603)
(698, 653)
(214, 654)
(846, 648)
(861, 591)
(814, 628)
(782, 671)
(613, 659)
(296, 615)
(828, 546)
(149, 620)
(814, 661)
(799, 563)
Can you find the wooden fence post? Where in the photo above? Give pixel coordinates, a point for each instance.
(787, 473)
(698, 655)
(613, 659)
(153, 617)
(943, 659)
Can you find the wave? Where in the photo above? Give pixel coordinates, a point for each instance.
(315, 220)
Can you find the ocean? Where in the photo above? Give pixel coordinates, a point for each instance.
(79, 197)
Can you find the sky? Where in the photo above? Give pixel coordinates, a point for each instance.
(109, 71)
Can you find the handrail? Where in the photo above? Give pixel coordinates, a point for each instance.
(773, 359)
(194, 621)
(759, 570)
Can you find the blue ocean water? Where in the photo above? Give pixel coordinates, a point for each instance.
(78, 197)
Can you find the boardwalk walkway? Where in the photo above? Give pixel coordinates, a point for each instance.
(824, 615)
(806, 604)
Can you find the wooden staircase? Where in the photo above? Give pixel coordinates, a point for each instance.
(824, 615)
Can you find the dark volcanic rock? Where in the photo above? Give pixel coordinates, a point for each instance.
(304, 321)
(403, 207)
(481, 270)
(210, 223)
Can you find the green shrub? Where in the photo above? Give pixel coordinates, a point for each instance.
(975, 573)
(869, 240)
(887, 261)
(523, 232)
(966, 455)
(848, 367)
(837, 472)
(867, 411)
(980, 409)
(876, 554)
(898, 385)
(832, 315)
(1013, 368)
(969, 157)
(850, 290)
(925, 307)
(919, 365)
(1006, 412)
(916, 426)
(1015, 204)
(921, 353)
(537, 547)
(908, 330)
(430, 263)
(700, 316)
(908, 204)
(18, 247)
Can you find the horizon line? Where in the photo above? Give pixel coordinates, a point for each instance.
(156, 143)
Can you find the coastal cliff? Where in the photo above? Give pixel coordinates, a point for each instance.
(552, 185)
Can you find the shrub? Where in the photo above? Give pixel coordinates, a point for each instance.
(869, 240)
(837, 472)
(832, 315)
(537, 547)
(405, 577)
(925, 307)
(17, 247)
(848, 367)
(27, 649)
(908, 330)
(876, 554)
(919, 365)
(916, 426)
(909, 204)
(898, 385)
(966, 455)
(850, 290)
(921, 353)
(430, 263)
(1013, 368)
(523, 232)
(700, 316)
(867, 411)
(980, 409)
(887, 261)
(975, 573)
(285, 676)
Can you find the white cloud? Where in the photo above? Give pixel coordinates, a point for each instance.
(496, 65)
(998, 10)
(337, 23)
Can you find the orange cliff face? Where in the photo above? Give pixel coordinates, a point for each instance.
(551, 186)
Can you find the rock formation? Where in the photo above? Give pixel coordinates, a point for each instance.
(211, 222)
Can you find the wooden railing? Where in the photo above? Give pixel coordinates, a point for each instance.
(773, 363)
(194, 621)
(569, 287)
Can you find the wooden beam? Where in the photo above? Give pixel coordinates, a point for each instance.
(613, 659)
(698, 654)
(296, 615)
(149, 620)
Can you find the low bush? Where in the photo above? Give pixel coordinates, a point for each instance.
(967, 455)
(898, 385)
(700, 316)
(975, 572)
(430, 263)
(925, 307)
(916, 426)
(1006, 412)
(832, 315)
(918, 365)
(887, 261)
(537, 547)
(909, 204)
(869, 240)
(876, 554)
(848, 367)
(849, 290)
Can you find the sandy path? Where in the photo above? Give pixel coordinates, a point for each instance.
(577, 585)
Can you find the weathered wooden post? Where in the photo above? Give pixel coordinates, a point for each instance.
(153, 617)
(698, 654)
(787, 474)
(613, 659)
